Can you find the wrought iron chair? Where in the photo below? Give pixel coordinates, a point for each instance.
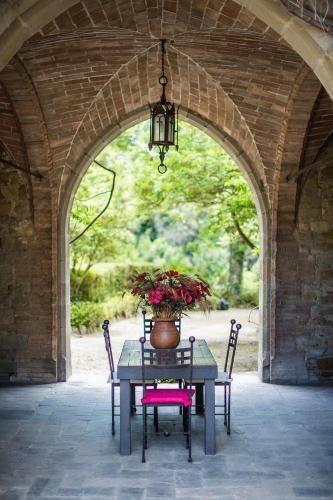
(157, 363)
(148, 324)
(113, 380)
(224, 378)
(112, 376)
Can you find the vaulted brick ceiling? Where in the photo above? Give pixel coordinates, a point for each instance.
(74, 59)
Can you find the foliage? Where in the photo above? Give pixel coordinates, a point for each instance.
(120, 306)
(97, 286)
(86, 314)
(87, 286)
(169, 293)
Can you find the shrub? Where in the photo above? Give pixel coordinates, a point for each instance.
(98, 287)
(86, 315)
(87, 288)
(120, 307)
(247, 298)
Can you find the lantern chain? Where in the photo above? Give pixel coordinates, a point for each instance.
(163, 52)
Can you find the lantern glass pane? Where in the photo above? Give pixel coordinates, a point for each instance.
(159, 128)
(171, 130)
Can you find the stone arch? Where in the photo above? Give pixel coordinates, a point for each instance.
(24, 20)
(68, 192)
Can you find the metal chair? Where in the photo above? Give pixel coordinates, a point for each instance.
(161, 363)
(148, 324)
(113, 380)
(224, 378)
(112, 376)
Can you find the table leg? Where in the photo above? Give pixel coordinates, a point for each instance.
(199, 399)
(125, 417)
(210, 444)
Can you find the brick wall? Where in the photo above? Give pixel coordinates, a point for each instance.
(93, 69)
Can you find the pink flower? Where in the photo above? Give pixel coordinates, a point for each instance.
(155, 296)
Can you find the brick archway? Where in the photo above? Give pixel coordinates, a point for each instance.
(240, 157)
(76, 71)
(25, 19)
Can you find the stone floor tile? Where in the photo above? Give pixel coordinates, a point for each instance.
(38, 486)
(59, 445)
(313, 492)
(160, 491)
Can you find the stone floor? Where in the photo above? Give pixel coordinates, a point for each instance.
(56, 443)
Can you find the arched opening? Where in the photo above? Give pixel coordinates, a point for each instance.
(243, 163)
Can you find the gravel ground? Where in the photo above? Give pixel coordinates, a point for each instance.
(88, 352)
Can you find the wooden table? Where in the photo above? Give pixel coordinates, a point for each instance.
(204, 368)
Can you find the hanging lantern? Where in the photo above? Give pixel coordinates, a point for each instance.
(163, 121)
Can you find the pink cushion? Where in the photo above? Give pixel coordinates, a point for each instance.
(165, 396)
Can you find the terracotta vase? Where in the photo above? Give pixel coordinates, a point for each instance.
(164, 334)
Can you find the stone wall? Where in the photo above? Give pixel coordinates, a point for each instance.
(26, 313)
(314, 333)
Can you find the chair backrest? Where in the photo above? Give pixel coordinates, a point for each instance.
(179, 361)
(108, 348)
(148, 324)
(232, 344)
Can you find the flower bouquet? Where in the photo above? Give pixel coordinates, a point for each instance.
(168, 295)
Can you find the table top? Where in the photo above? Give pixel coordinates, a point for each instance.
(129, 365)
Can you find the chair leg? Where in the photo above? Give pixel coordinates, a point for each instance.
(184, 418)
(187, 412)
(146, 439)
(229, 405)
(180, 386)
(156, 418)
(112, 409)
(189, 434)
(143, 433)
(225, 404)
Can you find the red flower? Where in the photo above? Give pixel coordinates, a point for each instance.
(188, 298)
(160, 277)
(205, 288)
(171, 294)
(141, 277)
(197, 292)
(155, 296)
(185, 295)
(135, 290)
(172, 274)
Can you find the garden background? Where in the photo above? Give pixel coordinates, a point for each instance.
(198, 218)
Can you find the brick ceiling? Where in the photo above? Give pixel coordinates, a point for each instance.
(221, 59)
